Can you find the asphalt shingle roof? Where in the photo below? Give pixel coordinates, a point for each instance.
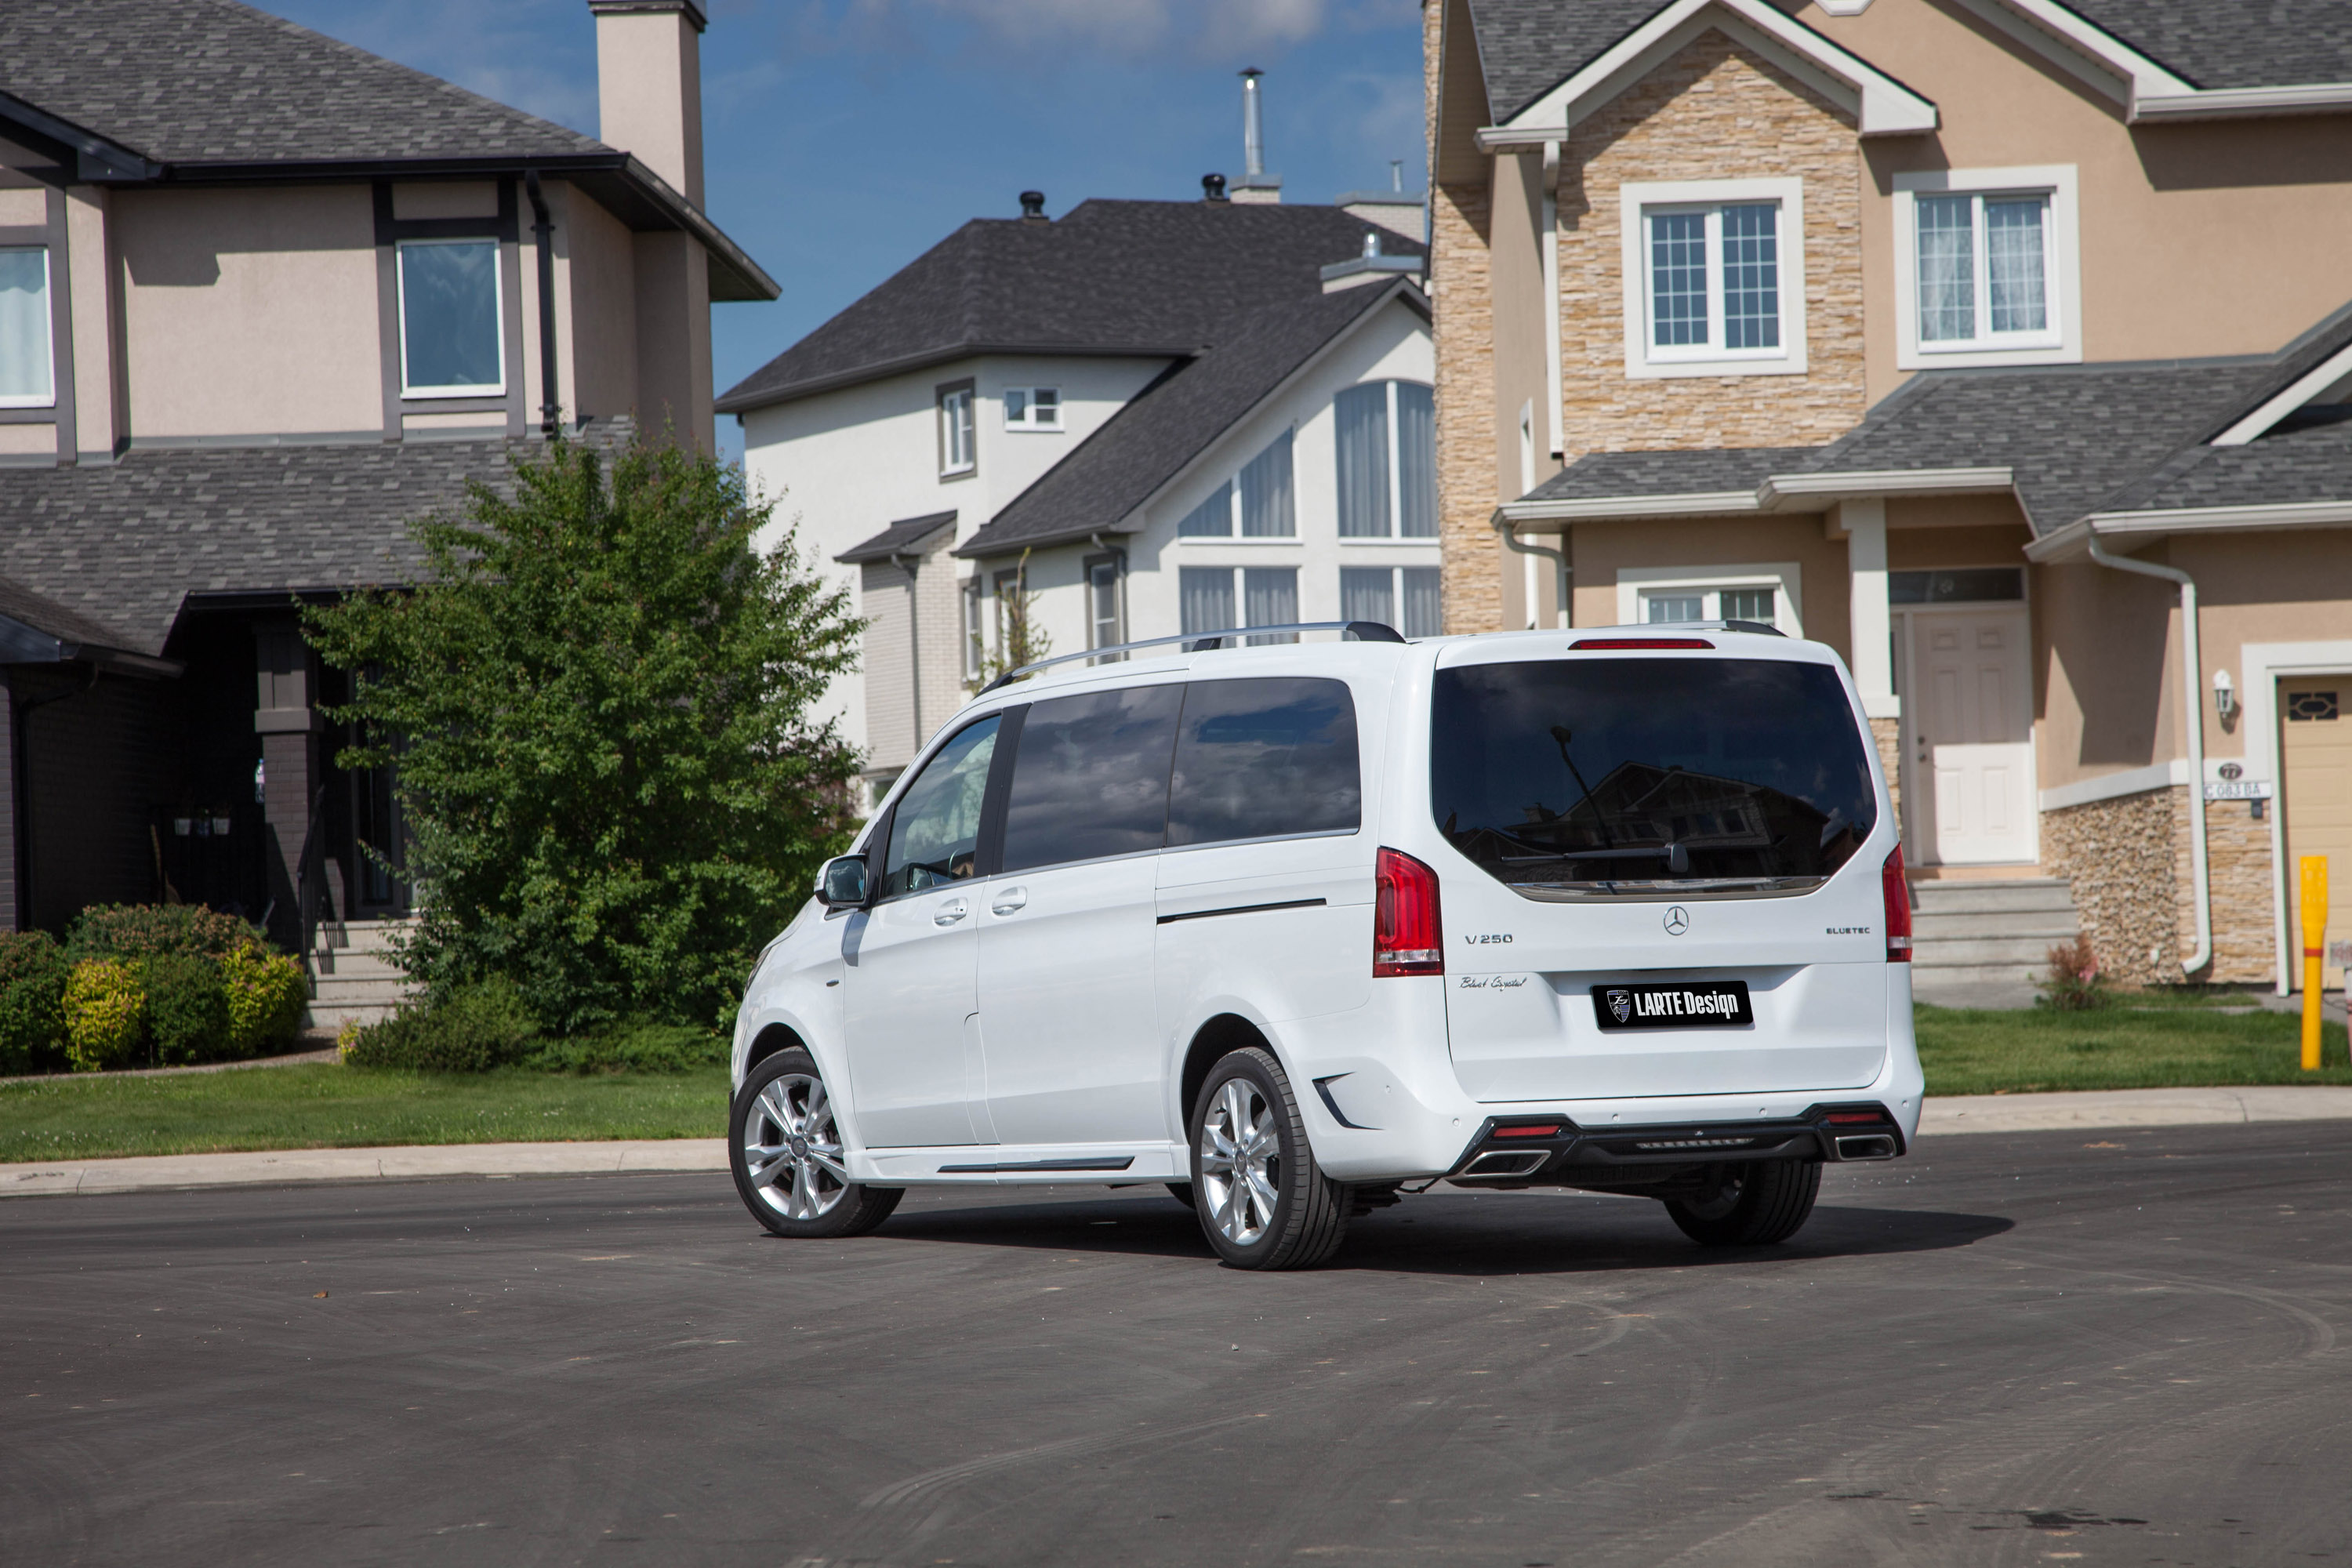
(1527, 47)
(122, 546)
(196, 81)
(1599, 475)
(44, 614)
(897, 539)
(1174, 419)
(1152, 278)
(2314, 464)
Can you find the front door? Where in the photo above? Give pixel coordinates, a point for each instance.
(910, 965)
(1968, 710)
(2315, 808)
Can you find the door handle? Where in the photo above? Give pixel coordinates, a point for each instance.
(1011, 901)
(950, 912)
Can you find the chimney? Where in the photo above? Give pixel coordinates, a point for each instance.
(649, 86)
(1255, 184)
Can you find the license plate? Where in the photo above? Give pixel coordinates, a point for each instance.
(1681, 1005)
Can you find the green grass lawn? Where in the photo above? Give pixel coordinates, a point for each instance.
(325, 1106)
(2147, 1040)
(2141, 1042)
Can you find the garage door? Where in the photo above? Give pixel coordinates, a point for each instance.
(2315, 757)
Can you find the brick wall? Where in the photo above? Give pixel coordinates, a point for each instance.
(96, 762)
(2238, 862)
(1715, 111)
(1887, 734)
(2119, 856)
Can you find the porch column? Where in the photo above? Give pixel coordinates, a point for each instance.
(1872, 628)
(288, 726)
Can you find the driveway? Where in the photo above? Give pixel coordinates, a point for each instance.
(2089, 1345)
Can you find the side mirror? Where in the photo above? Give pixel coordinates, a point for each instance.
(842, 884)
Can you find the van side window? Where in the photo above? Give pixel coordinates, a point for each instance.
(1090, 776)
(1263, 759)
(935, 827)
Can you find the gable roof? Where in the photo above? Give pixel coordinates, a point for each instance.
(144, 90)
(123, 546)
(1154, 279)
(2167, 58)
(1151, 440)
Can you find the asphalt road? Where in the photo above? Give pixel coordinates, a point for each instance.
(2105, 1348)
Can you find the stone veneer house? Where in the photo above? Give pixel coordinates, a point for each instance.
(2002, 344)
(1160, 417)
(263, 297)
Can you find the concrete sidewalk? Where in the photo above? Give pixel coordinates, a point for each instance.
(1967, 1113)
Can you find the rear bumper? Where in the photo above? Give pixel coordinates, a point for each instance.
(1535, 1150)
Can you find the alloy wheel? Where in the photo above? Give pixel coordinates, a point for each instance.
(792, 1149)
(1241, 1163)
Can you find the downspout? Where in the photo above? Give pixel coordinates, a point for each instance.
(2191, 696)
(1559, 557)
(543, 235)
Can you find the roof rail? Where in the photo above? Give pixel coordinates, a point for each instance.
(1362, 631)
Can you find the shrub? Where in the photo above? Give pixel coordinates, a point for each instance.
(187, 1007)
(267, 993)
(33, 971)
(605, 706)
(473, 1029)
(639, 1046)
(105, 1015)
(150, 930)
(2073, 982)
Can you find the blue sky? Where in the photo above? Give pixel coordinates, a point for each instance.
(845, 137)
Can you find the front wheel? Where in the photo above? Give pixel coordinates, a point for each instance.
(1263, 1201)
(1751, 1205)
(785, 1147)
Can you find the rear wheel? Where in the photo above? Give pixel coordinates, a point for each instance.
(785, 1147)
(1751, 1205)
(1263, 1201)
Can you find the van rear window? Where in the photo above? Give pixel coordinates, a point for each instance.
(1611, 776)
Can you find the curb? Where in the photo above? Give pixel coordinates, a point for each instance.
(1941, 1118)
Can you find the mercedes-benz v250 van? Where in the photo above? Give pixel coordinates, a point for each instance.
(1293, 928)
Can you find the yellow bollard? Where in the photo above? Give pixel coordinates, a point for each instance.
(2314, 933)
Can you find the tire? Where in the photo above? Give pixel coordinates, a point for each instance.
(785, 1149)
(1182, 1192)
(1286, 1212)
(1756, 1205)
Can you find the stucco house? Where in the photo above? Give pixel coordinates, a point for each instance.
(2002, 344)
(263, 297)
(1161, 416)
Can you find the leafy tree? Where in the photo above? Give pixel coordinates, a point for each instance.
(600, 696)
(1020, 641)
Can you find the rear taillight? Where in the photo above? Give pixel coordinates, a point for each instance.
(1898, 909)
(1406, 939)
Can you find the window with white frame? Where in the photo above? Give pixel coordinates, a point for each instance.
(1033, 408)
(27, 374)
(974, 638)
(1105, 626)
(452, 331)
(1384, 440)
(958, 454)
(1260, 501)
(1985, 267)
(1204, 598)
(1268, 597)
(1404, 598)
(1714, 278)
(1769, 593)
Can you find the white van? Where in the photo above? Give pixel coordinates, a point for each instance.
(1294, 927)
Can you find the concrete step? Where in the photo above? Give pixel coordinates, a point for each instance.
(330, 1018)
(355, 964)
(385, 991)
(2050, 925)
(2022, 896)
(1975, 985)
(1967, 951)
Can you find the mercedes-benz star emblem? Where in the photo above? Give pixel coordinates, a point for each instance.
(1677, 920)
(800, 1146)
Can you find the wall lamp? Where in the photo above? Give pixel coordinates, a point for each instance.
(2225, 699)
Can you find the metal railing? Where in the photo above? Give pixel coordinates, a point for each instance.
(1204, 642)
